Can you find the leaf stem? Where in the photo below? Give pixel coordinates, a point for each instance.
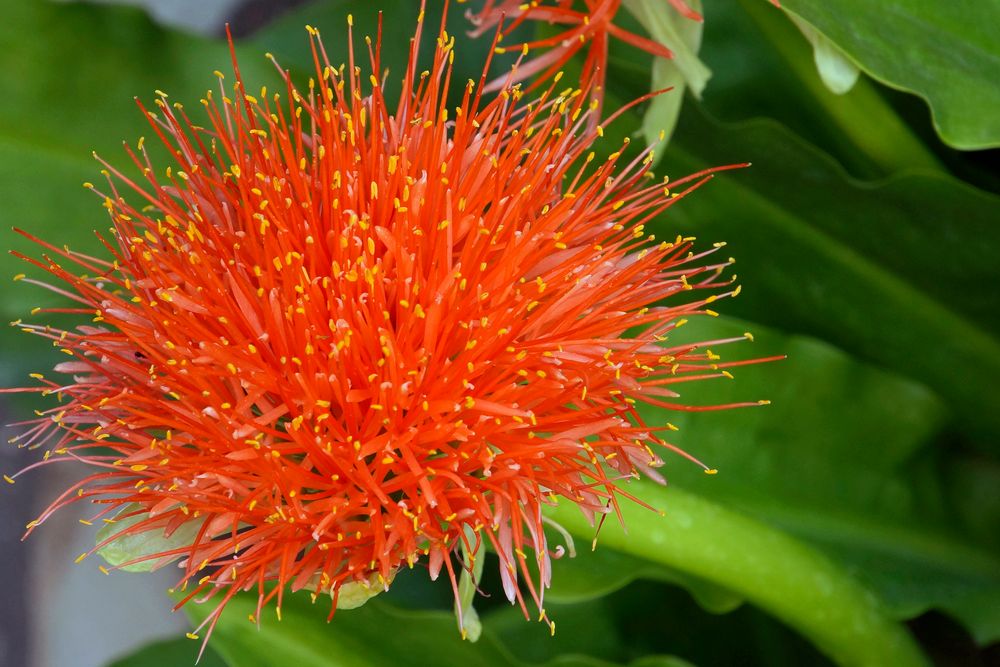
(778, 573)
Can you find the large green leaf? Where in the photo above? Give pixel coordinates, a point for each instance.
(41, 192)
(895, 272)
(763, 67)
(948, 53)
(973, 483)
(842, 458)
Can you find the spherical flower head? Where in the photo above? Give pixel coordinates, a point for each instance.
(337, 336)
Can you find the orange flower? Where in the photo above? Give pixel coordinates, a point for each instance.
(591, 28)
(338, 335)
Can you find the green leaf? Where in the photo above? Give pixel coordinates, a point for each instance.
(842, 459)
(947, 53)
(858, 264)
(972, 486)
(661, 115)
(171, 653)
(649, 619)
(660, 661)
(583, 629)
(603, 631)
(41, 192)
(763, 67)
